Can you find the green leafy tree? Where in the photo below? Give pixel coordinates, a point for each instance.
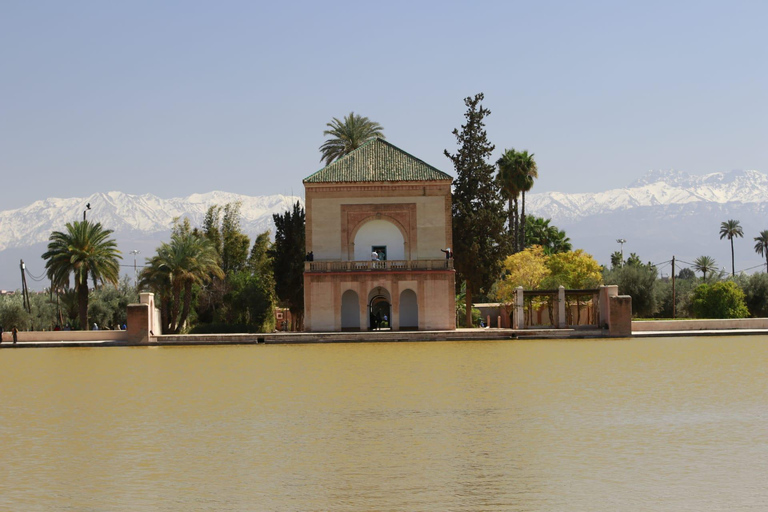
(731, 229)
(755, 289)
(479, 234)
(573, 270)
(235, 243)
(538, 231)
(705, 264)
(189, 259)
(664, 297)
(634, 260)
(639, 282)
(84, 251)
(108, 306)
(347, 135)
(686, 273)
(13, 313)
(720, 300)
(617, 260)
(288, 255)
(761, 246)
(528, 268)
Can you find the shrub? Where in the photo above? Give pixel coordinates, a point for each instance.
(755, 294)
(720, 300)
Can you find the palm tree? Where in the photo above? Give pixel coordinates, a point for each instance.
(731, 229)
(348, 135)
(705, 264)
(517, 170)
(527, 171)
(761, 247)
(188, 259)
(538, 231)
(84, 250)
(510, 188)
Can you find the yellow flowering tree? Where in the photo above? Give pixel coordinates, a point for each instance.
(574, 270)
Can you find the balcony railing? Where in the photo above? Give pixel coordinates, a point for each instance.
(377, 266)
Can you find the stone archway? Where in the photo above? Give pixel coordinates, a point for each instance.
(379, 309)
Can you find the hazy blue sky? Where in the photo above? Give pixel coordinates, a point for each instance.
(173, 98)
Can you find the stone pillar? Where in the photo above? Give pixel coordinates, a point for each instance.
(138, 325)
(561, 317)
(518, 317)
(604, 306)
(620, 316)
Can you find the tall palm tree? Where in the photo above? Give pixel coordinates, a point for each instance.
(188, 259)
(761, 247)
(348, 135)
(84, 250)
(705, 264)
(527, 171)
(510, 189)
(731, 229)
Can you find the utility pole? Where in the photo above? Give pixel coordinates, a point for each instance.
(674, 298)
(24, 290)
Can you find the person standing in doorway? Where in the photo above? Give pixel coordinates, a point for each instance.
(374, 256)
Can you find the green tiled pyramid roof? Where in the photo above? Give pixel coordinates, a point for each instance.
(377, 160)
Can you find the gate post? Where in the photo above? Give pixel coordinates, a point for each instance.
(519, 316)
(561, 318)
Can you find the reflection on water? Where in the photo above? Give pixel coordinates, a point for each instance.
(591, 425)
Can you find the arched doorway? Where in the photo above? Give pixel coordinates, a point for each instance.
(379, 309)
(409, 311)
(350, 311)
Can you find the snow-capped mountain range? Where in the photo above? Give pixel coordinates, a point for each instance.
(126, 213)
(140, 222)
(655, 189)
(665, 214)
(662, 214)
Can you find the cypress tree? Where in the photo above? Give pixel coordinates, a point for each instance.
(288, 254)
(479, 234)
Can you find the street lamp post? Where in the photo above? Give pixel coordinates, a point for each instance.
(621, 241)
(135, 274)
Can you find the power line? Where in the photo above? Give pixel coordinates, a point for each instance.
(750, 268)
(34, 278)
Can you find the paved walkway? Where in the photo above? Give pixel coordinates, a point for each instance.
(377, 337)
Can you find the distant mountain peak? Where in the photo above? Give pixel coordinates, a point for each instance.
(682, 179)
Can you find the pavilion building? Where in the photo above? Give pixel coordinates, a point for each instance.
(378, 223)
